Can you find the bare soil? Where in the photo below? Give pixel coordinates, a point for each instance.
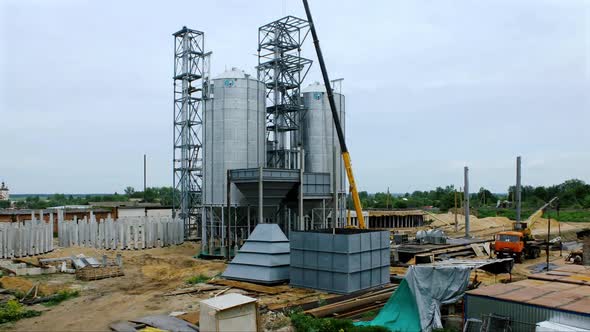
(149, 274)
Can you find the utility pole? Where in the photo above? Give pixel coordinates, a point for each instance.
(387, 204)
(456, 220)
(548, 232)
(144, 176)
(518, 191)
(466, 193)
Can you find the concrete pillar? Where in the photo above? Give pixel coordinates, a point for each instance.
(518, 191)
(136, 234)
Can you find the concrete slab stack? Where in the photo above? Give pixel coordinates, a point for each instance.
(124, 233)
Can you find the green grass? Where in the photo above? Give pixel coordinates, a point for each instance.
(571, 215)
(12, 311)
(306, 323)
(60, 297)
(201, 278)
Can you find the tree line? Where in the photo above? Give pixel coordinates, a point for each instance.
(573, 194)
(162, 195)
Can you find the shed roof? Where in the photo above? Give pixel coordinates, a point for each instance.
(556, 291)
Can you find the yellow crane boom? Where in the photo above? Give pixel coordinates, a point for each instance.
(345, 155)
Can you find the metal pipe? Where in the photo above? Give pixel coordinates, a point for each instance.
(260, 196)
(228, 180)
(302, 164)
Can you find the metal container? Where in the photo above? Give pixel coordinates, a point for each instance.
(233, 132)
(344, 262)
(319, 136)
(229, 312)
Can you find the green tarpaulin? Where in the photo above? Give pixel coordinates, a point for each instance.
(400, 313)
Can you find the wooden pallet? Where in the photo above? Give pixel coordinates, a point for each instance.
(99, 272)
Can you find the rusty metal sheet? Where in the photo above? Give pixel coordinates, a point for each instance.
(524, 294)
(582, 305)
(496, 289)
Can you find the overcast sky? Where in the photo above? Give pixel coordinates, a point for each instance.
(431, 86)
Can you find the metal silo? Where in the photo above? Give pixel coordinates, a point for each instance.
(320, 140)
(233, 132)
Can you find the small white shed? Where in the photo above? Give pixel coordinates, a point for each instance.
(230, 312)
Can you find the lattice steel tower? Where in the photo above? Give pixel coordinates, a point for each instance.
(282, 69)
(191, 78)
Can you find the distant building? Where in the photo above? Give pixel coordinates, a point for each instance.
(4, 192)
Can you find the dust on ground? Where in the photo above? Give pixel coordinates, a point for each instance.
(149, 274)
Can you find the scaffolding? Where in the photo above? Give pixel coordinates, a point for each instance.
(282, 69)
(191, 80)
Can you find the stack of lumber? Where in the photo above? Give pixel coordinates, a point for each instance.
(356, 306)
(248, 286)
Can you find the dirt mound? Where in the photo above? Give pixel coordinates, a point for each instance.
(23, 285)
(162, 269)
(446, 221)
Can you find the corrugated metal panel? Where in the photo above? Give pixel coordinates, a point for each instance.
(319, 134)
(233, 133)
(340, 263)
(523, 316)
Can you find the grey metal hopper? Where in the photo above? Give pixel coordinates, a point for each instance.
(264, 258)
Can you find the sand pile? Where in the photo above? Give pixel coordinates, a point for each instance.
(446, 221)
(162, 269)
(23, 285)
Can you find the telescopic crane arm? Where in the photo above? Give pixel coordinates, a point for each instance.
(535, 216)
(345, 155)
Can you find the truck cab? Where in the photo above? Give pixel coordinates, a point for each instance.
(509, 244)
(515, 244)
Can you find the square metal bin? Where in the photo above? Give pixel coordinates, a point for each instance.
(347, 261)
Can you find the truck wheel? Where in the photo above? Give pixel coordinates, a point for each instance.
(518, 258)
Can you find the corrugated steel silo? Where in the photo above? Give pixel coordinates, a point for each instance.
(233, 132)
(319, 134)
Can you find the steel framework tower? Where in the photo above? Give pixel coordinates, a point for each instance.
(282, 69)
(191, 78)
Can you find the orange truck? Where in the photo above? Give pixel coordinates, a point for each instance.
(515, 244)
(519, 243)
